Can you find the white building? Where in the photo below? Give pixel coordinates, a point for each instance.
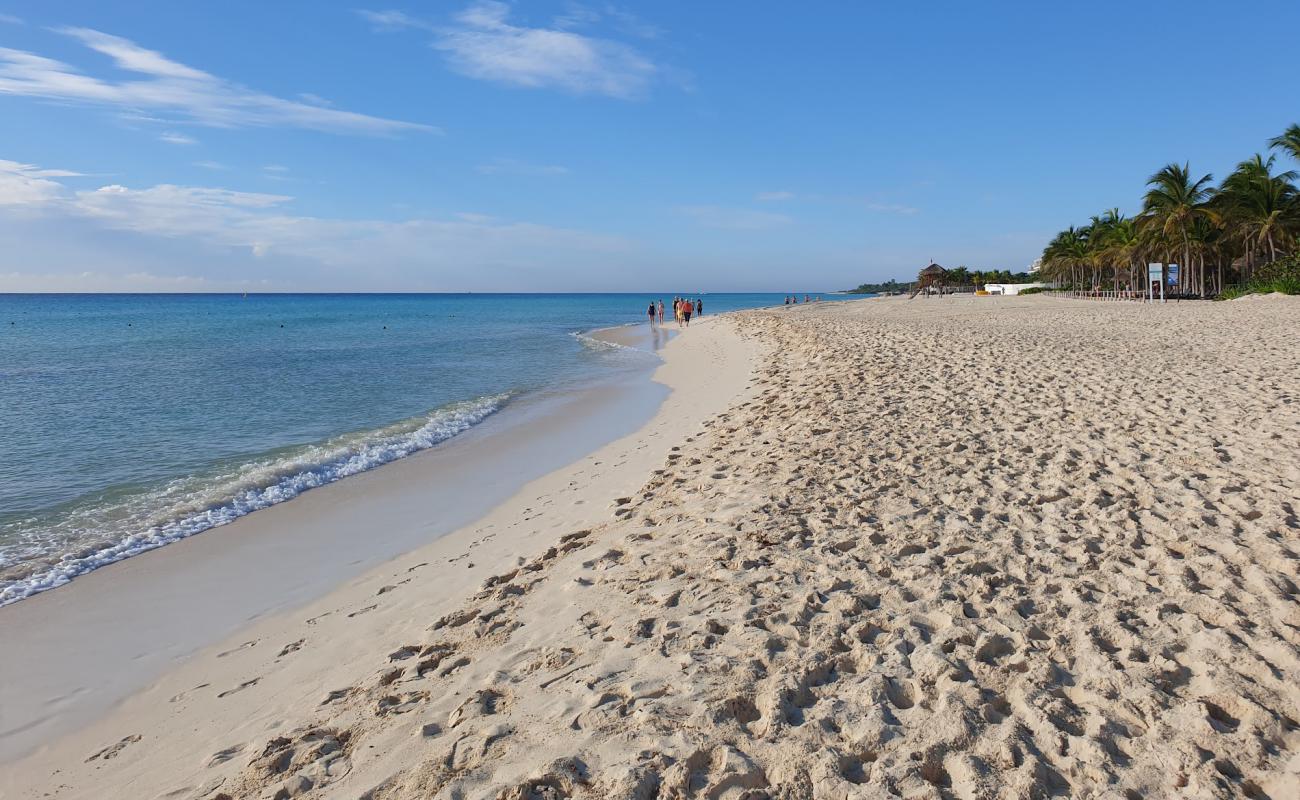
(1009, 288)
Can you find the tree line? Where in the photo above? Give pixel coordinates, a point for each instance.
(958, 276)
(1218, 235)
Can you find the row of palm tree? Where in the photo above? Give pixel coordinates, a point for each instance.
(1216, 234)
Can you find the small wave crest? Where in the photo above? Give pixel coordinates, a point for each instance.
(149, 520)
(596, 343)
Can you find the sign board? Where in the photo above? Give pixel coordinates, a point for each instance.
(1173, 274)
(1155, 286)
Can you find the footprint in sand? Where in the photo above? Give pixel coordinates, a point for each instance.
(241, 687)
(222, 756)
(113, 750)
(176, 698)
(291, 647)
(243, 646)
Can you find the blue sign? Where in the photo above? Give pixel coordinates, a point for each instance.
(1173, 274)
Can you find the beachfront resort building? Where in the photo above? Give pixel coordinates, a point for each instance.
(1010, 288)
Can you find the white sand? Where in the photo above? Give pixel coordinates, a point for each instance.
(962, 547)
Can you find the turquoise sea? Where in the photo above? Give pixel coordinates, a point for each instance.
(131, 421)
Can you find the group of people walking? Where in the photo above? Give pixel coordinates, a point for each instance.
(683, 309)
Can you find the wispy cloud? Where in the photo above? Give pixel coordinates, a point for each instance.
(736, 219)
(30, 187)
(510, 166)
(261, 225)
(276, 172)
(387, 21)
(892, 208)
(871, 205)
(581, 15)
(10, 19)
(170, 87)
(130, 282)
(171, 137)
(213, 165)
(481, 42)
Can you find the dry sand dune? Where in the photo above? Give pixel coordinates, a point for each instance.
(994, 548)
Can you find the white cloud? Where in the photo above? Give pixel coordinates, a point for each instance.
(24, 185)
(10, 19)
(768, 197)
(171, 137)
(174, 88)
(483, 44)
(738, 219)
(213, 165)
(510, 166)
(276, 168)
(414, 253)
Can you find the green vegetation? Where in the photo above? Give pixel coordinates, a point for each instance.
(961, 276)
(1282, 276)
(1220, 236)
(958, 276)
(890, 286)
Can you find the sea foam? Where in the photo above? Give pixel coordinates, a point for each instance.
(193, 506)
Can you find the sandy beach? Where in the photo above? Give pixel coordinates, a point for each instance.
(943, 548)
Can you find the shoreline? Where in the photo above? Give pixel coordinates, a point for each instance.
(485, 476)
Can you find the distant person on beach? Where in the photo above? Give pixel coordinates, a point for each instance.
(699, 308)
(686, 312)
(805, 298)
(651, 312)
(661, 312)
(787, 299)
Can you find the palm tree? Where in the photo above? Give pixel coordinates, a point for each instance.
(1068, 254)
(1260, 208)
(1173, 202)
(1288, 142)
(1125, 247)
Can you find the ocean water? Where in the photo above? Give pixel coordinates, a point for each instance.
(131, 421)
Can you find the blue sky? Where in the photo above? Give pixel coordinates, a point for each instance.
(558, 146)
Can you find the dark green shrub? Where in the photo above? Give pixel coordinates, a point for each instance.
(1282, 276)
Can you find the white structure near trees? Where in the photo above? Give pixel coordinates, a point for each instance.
(1009, 288)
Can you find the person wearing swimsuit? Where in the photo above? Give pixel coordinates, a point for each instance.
(651, 313)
